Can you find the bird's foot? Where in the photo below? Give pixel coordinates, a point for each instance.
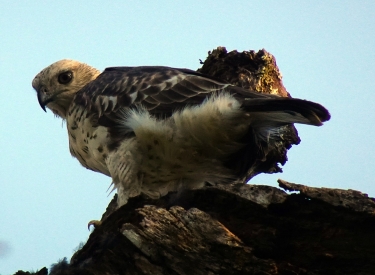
(94, 223)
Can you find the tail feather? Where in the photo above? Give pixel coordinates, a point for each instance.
(271, 133)
(278, 111)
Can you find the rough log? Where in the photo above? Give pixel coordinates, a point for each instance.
(238, 229)
(235, 229)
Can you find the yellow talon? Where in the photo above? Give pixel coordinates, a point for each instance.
(94, 223)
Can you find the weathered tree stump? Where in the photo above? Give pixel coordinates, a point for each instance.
(255, 71)
(237, 229)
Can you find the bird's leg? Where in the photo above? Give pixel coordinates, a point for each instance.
(112, 207)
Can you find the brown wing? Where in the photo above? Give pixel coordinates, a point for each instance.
(161, 90)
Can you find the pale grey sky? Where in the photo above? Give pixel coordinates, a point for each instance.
(325, 51)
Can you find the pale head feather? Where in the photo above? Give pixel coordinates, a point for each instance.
(46, 83)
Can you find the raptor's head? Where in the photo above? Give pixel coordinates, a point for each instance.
(57, 84)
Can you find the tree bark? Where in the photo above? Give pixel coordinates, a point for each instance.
(236, 229)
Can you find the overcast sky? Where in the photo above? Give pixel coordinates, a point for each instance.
(325, 52)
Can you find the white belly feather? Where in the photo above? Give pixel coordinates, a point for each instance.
(181, 152)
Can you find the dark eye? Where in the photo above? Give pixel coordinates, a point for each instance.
(65, 77)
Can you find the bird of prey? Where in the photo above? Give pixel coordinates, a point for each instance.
(156, 129)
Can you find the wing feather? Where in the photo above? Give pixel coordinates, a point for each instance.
(184, 91)
(160, 89)
(175, 95)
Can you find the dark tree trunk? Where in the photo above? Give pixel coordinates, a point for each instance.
(238, 229)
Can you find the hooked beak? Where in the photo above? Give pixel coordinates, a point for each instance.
(43, 99)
